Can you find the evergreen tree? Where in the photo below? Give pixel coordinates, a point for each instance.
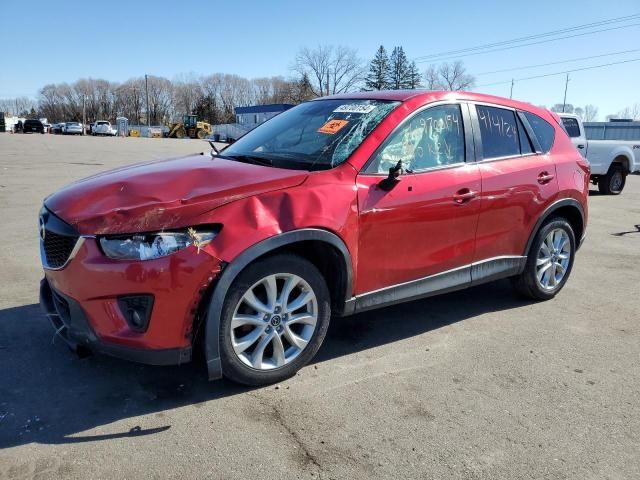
(398, 76)
(304, 89)
(379, 71)
(413, 76)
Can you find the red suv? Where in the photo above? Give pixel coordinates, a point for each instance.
(334, 207)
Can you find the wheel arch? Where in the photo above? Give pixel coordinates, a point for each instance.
(296, 241)
(622, 158)
(568, 208)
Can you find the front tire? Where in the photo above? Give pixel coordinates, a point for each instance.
(613, 182)
(274, 319)
(549, 262)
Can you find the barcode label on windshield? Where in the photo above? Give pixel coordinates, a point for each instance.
(355, 108)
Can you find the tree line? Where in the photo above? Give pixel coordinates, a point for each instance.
(211, 97)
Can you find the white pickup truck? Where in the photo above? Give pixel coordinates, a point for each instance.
(611, 160)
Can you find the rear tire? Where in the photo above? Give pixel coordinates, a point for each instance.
(613, 182)
(549, 261)
(274, 319)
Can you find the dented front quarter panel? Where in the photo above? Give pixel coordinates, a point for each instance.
(326, 200)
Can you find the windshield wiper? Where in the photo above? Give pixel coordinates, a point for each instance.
(249, 159)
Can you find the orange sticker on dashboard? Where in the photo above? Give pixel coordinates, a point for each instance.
(333, 126)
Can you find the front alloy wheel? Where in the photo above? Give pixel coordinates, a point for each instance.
(274, 319)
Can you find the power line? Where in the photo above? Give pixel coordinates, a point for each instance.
(557, 63)
(531, 37)
(560, 73)
(534, 43)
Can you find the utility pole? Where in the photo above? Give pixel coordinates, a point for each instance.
(146, 87)
(327, 82)
(84, 113)
(511, 93)
(566, 84)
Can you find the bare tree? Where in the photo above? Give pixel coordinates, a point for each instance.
(590, 113)
(20, 106)
(330, 69)
(188, 93)
(448, 76)
(431, 78)
(632, 112)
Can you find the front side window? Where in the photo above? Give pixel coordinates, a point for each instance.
(498, 131)
(431, 138)
(571, 126)
(315, 135)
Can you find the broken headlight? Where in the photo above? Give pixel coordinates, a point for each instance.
(147, 246)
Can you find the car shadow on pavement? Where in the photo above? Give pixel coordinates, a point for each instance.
(50, 395)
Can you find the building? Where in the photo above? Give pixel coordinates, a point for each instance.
(247, 118)
(256, 114)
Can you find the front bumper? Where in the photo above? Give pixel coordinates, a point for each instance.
(71, 325)
(81, 301)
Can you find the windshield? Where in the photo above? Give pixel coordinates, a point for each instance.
(315, 135)
(73, 124)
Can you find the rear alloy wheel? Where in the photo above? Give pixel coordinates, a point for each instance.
(275, 318)
(549, 261)
(613, 182)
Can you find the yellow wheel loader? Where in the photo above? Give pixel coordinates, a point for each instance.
(190, 127)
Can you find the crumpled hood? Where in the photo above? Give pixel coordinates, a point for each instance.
(163, 194)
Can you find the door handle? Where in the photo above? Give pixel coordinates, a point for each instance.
(545, 177)
(464, 195)
(580, 146)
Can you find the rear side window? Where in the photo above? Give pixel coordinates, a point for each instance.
(571, 126)
(543, 130)
(499, 132)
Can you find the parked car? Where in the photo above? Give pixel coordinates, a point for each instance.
(47, 127)
(57, 128)
(32, 126)
(102, 127)
(72, 128)
(610, 160)
(336, 206)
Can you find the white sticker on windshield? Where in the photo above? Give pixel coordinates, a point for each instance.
(355, 108)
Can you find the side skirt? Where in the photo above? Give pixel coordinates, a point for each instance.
(449, 281)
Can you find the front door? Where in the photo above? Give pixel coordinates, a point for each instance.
(426, 224)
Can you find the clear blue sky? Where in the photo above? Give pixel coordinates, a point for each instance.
(47, 42)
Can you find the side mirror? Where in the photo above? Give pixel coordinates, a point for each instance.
(392, 180)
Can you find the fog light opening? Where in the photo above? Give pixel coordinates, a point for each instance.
(136, 309)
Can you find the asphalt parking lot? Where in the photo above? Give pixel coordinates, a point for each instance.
(472, 385)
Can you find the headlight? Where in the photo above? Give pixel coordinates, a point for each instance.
(147, 246)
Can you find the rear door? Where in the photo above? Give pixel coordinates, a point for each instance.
(518, 182)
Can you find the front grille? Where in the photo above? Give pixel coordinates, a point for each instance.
(58, 248)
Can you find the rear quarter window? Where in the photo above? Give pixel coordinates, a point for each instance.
(544, 131)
